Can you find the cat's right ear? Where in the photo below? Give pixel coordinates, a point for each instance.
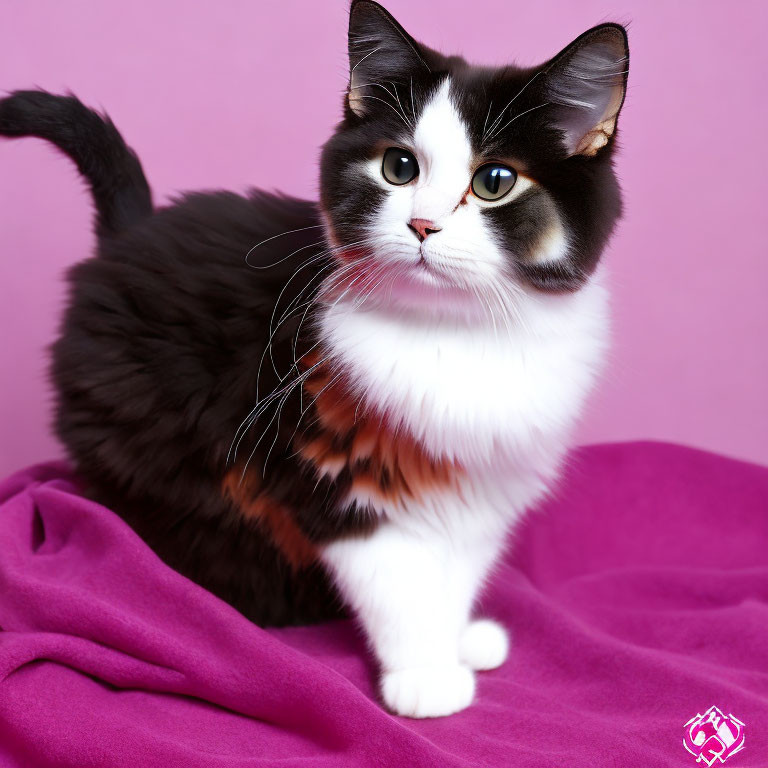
(381, 52)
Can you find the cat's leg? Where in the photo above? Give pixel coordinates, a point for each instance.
(484, 643)
(412, 586)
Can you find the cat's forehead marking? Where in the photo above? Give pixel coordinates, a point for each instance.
(444, 148)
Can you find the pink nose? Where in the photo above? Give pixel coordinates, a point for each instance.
(422, 228)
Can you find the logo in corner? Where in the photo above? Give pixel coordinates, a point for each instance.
(713, 736)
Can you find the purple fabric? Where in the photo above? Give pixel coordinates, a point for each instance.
(637, 599)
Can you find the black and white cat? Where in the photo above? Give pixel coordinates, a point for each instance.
(310, 406)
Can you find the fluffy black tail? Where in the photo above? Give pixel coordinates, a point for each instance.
(119, 187)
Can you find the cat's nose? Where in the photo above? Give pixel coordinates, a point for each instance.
(422, 228)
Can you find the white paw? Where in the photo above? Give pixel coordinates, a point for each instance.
(428, 691)
(483, 645)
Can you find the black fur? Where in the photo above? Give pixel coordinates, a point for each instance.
(120, 191)
(155, 369)
(177, 322)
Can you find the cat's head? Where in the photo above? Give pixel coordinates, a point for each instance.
(448, 184)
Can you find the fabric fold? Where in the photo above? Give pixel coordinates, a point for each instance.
(637, 598)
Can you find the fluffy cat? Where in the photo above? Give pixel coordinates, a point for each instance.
(309, 408)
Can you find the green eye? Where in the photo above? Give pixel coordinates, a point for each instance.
(493, 181)
(399, 166)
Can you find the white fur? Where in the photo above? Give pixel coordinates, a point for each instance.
(430, 691)
(445, 155)
(496, 388)
(483, 645)
(469, 391)
(412, 584)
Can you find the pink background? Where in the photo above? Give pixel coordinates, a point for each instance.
(238, 93)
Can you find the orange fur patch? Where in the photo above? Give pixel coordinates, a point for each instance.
(297, 549)
(384, 465)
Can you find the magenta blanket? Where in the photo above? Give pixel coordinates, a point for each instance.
(637, 600)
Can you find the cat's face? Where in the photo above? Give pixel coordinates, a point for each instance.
(449, 187)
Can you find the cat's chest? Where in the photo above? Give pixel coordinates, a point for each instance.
(468, 396)
(377, 464)
(374, 463)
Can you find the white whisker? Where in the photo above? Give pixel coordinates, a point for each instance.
(509, 122)
(509, 104)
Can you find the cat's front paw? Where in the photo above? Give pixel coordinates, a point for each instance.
(428, 691)
(483, 645)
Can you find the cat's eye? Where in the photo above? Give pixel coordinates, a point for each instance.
(399, 166)
(493, 180)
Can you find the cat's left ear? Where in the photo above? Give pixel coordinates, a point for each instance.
(585, 85)
(380, 52)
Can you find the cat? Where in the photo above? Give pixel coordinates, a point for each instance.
(313, 409)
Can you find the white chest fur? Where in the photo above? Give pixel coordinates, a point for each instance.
(479, 396)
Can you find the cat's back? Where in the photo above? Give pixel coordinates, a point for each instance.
(208, 241)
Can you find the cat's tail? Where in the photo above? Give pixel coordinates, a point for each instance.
(120, 190)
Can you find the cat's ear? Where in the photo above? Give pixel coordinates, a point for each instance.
(380, 52)
(585, 85)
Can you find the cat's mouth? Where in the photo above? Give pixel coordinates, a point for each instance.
(424, 264)
(434, 276)
(447, 269)
(402, 274)
(426, 274)
(372, 267)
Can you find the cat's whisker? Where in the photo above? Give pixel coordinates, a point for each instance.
(516, 117)
(292, 306)
(271, 337)
(331, 251)
(263, 404)
(277, 431)
(373, 84)
(290, 310)
(268, 347)
(303, 412)
(272, 328)
(397, 96)
(484, 303)
(487, 115)
(372, 289)
(393, 108)
(274, 237)
(270, 399)
(505, 309)
(509, 104)
(365, 289)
